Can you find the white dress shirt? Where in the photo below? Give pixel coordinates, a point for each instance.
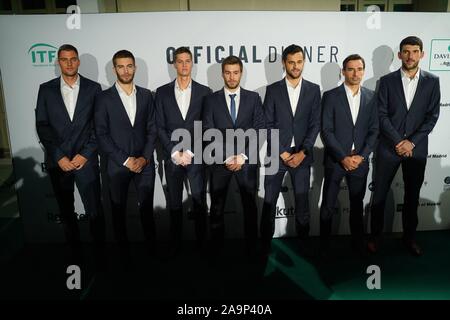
(409, 86)
(129, 103)
(354, 101)
(294, 95)
(237, 99)
(70, 95)
(183, 97)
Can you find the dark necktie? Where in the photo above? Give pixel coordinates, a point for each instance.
(233, 108)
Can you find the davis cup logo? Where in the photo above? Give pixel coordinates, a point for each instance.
(440, 55)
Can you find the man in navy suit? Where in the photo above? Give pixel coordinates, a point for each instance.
(234, 108)
(349, 132)
(408, 108)
(126, 133)
(291, 106)
(178, 104)
(64, 123)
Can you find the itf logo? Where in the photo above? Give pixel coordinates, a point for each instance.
(43, 55)
(440, 55)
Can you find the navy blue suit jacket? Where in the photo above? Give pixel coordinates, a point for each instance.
(169, 118)
(117, 138)
(250, 116)
(304, 126)
(398, 123)
(60, 136)
(338, 131)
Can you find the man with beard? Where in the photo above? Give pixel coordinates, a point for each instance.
(291, 106)
(65, 126)
(349, 132)
(178, 104)
(126, 133)
(234, 108)
(408, 108)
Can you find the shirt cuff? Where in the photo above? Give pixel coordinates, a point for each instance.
(189, 152)
(126, 161)
(244, 156)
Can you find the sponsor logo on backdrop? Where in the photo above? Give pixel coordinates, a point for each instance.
(281, 212)
(42, 55)
(255, 54)
(440, 55)
(371, 186)
(445, 105)
(437, 156)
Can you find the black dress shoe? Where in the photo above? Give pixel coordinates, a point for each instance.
(413, 248)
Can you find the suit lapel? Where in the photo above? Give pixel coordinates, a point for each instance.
(362, 105)
(346, 105)
(300, 98)
(399, 88)
(193, 92)
(80, 98)
(285, 95)
(242, 104)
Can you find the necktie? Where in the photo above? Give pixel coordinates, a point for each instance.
(233, 108)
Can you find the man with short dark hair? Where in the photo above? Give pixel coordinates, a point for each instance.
(178, 105)
(408, 108)
(126, 133)
(65, 126)
(349, 132)
(292, 106)
(234, 108)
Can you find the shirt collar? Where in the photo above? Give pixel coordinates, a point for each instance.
(237, 92)
(404, 75)
(64, 84)
(177, 86)
(122, 92)
(350, 92)
(288, 84)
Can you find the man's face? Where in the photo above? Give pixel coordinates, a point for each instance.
(294, 65)
(410, 56)
(353, 72)
(232, 75)
(68, 63)
(183, 64)
(125, 69)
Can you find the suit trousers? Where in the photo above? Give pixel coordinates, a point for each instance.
(413, 176)
(87, 180)
(175, 177)
(356, 182)
(247, 181)
(300, 177)
(119, 181)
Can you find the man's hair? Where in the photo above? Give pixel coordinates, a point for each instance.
(293, 48)
(232, 60)
(351, 58)
(67, 47)
(122, 54)
(411, 40)
(181, 50)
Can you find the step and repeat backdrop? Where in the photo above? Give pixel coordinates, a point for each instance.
(29, 51)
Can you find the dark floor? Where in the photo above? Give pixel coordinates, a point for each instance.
(293, 271)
